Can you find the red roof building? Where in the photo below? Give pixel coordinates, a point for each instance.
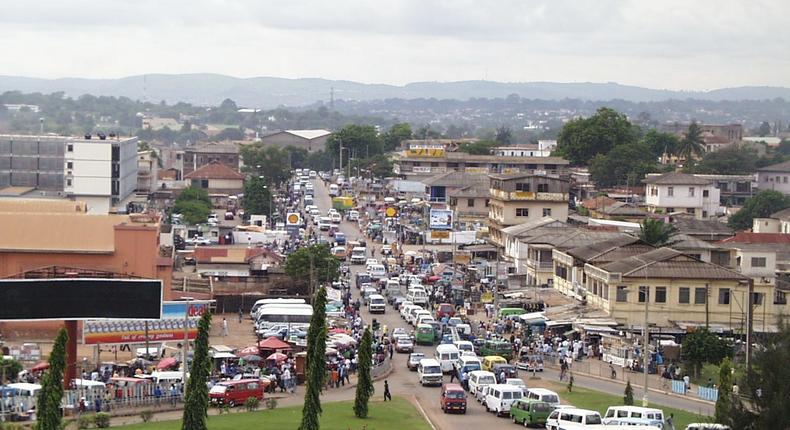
(217, 178)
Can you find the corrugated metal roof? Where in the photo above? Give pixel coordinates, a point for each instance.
(214, 171)
(593, 251)
(309, 134)
(671, 264)
(456, 179)
(519, 229)
(676, 178)
(59, 232)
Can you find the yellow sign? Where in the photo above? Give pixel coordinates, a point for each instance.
(462, 258)
(524, 195)
(476, 169)
(487, 297)
(438, 234)
(293, 218)
(426, 151)
(391, 212)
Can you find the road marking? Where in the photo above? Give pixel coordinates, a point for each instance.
(422, 411)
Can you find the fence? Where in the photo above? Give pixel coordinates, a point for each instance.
(679, 387)
(711, 394)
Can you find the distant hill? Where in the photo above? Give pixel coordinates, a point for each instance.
(266, 92)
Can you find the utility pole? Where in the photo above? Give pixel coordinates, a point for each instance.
(749, 322)
(707, 308)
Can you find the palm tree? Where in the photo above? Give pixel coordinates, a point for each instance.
(692, 143)
(657, 233)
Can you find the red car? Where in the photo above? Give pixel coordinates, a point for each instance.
(453, 398)
(445, 309)
(234, 393)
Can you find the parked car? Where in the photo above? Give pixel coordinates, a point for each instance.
(232, 393)
(530, 363)
(198, 241)
(500, 397)
(530, 412)
(453, 399)
(572, 416)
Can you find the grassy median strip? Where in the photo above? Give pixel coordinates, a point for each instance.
(397, 414)
(598, 401)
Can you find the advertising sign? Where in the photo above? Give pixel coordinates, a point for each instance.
(441, 219)
(293, 218)
(434, 151)
(391, 212)
(440, 234)
(421, 169)
(169, 328)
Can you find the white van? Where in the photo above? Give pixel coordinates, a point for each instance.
(167, 377)
(464, 345)
(500, 397)
(430, 372)
(577, 418)
(415, 315)
(376, 304)
(417, 296)
(405, 310)
(425, 319)
(447, 355)
(467, 363)
(377, 271)
(359, 255)
(334, 191)
(353, 215)
(544, 395)
(656, 416)
(479, 379)
(707, 426)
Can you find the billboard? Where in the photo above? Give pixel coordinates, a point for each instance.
(434, 151)
(169, 328)
(441, 219)
(80, 299)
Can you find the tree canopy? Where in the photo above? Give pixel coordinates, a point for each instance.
(481, 147)
(656, 232)
(316, 364)
(691, 144)
(193, 204)
(624, 164)
(359, 141)
(325, 265)
(257, 197)
(364, 381)
(271, 162)
(702, 346)
(732, 160)
(395, 135)
(660, 143)
(51, 394)
(196, 398)
(760, 206)
(582, 139)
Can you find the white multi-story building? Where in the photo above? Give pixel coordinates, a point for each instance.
(775, 177)
(97, 170)
(678, 192)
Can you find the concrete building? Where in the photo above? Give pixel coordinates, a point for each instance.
(99, 171)
(731, 132)
(542, 149)
(197, 157)
(438, 187)
(416, 166)
(147, 171)
(775, 177)
(678, 291)
(734, 190)
(519, 198)
(679, 192)
(420, 146)
(217, 178)
(310, 140)
(470, 205)
(778, 222)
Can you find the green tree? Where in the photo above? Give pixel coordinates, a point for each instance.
(701, 346)
(268, 161)
(481, 147)
(504, 136)
(316, 363)
(192, 193)
(395, 135)
(379, 165)
(9, 368)
(691, 144)
(724, 401)
(257, 197)
(657, 232)
(761, 205)
(325, 265)
(766, 384)
(660, 143)
(196, 398)
(193, 212)
(624, 164)
(764, 129)
(583, 138)
(733, 160)
(359, 141)
(364, 381)
(319, 161)
(628, 394)
(230, 133)
(51, 394)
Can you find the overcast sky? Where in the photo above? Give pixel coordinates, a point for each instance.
(676, 44)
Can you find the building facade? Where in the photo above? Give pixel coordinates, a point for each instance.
(520, 198)
(217, 178)
(310, 140)
(542, 149)
(679, 192)
(420, 165)
(775, 177)
(197, 157)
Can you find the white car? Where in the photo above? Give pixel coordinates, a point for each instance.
(197, 241)
(583, 417)
(335, 218)
(324, 223)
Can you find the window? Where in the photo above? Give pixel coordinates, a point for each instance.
(700, 296)
(622, 294)
(758, 261)
(670, 210)
(70, 148)
(690, 211)
(522, 211)
(488, 202)
(68, 182)
(661, 294)
(643, 293)
(653, 191)
(784, 179)
(470, 203)
(691, 191)
(704, 214)
(724, 296)
(670, 191)
(521, 186)
(546, 211)
(69, 165)
(683, 295)
(543, 188)
(780, 298)
(757, 299)
(705, 193)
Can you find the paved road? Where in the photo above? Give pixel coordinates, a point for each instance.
(404, 382)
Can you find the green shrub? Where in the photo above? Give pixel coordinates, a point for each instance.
(252, 403)
(146, 415)
(85, 421)
(102, 420)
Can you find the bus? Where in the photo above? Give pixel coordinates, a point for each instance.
(280, 314)
(280, 301)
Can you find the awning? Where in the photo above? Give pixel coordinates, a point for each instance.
(557, 323)
(221, 348)
(220, 355)
(598, 329)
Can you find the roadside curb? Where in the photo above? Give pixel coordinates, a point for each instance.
(635, 385)
(414, 402)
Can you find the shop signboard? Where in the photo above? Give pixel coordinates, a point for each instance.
(441, 219)
(169, 328)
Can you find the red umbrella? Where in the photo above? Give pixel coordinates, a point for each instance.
(337, 330)
(40, 367)
(273, 343)
(166, 363)
(277, 356)
(250, 350)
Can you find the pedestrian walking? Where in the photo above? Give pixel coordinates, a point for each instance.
(241, 315)
(224, 327)
(387, 395)
(670, 422)
(391, 350)
(452, 376)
